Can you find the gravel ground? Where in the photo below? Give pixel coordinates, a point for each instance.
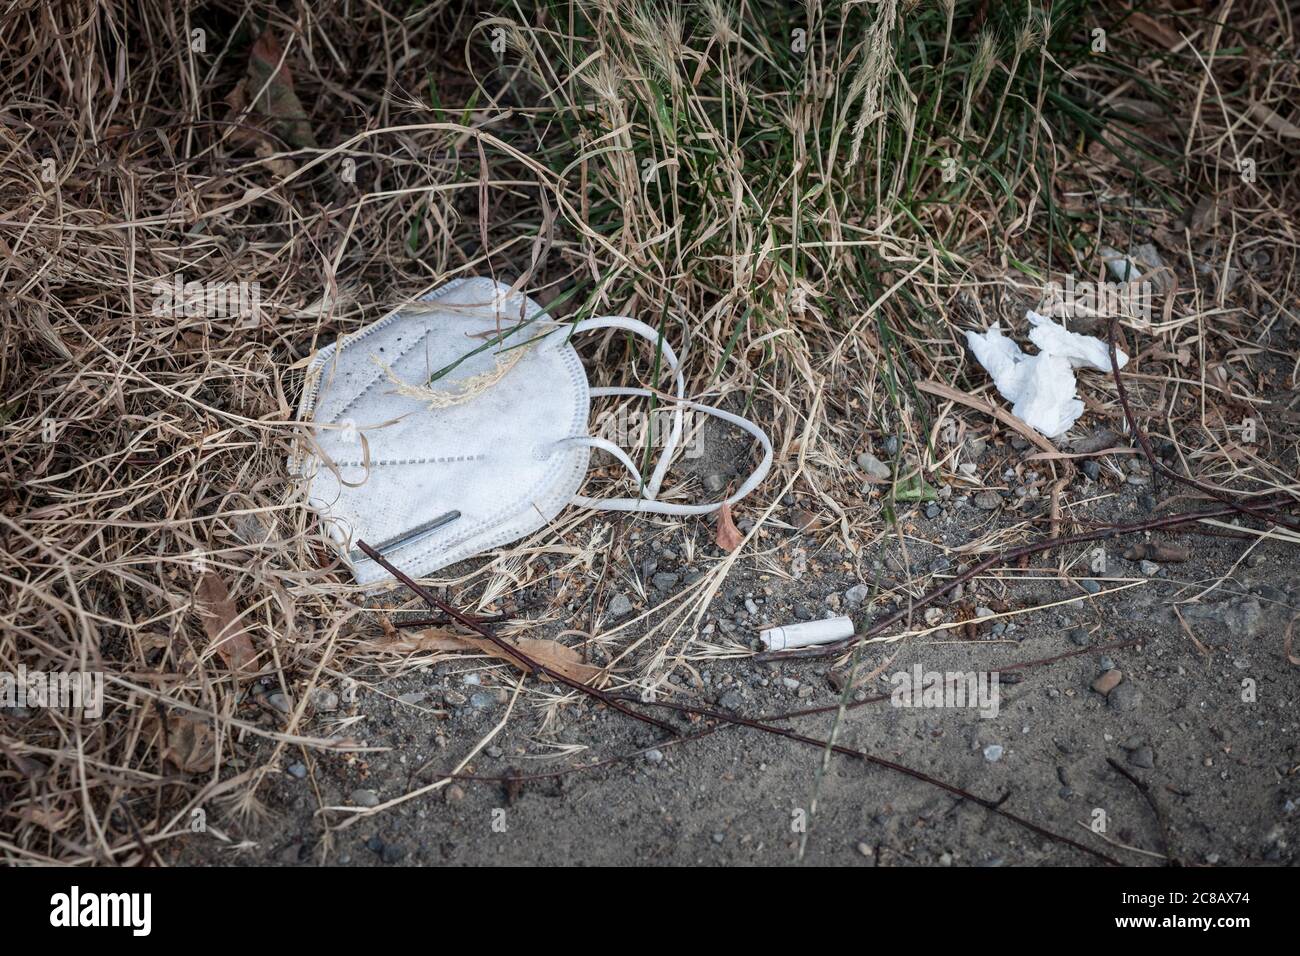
(1202, 711)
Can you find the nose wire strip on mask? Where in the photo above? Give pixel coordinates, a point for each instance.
(418, 533)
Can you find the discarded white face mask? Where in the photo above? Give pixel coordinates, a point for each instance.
(451, 427)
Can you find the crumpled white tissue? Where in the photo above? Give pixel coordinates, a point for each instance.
(1041, 387)
(1083, 351)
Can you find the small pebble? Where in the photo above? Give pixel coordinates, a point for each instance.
(665, 581)
(1107, 682)
(1143, 757)
(873, 466)
(1126, 697)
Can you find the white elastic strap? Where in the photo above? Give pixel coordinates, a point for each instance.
(668, 508)
(591, 441)
(650, 490)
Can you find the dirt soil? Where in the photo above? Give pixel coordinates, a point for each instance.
(1206, 717)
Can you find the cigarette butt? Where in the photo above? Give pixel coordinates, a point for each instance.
(807, 633)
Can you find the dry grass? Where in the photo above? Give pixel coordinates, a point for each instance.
(785, 216)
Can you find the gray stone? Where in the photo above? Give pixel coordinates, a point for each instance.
(365, 798)
(1242, 617)
(665, 580)
(873, 466)
(731, 700)
(857, 594)
(482, 700)
(1143, 757)
(325, 700)
(714, 483)
(993, 753)
(619, 606)
(1124, 698)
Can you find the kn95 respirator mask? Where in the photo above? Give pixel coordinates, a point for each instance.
(459, 423)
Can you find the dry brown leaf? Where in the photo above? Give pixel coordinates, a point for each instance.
(558, 657)
(728, 536)
(190, 745)
(430, 639)
(1286, 643)
(52, 820)
(280, 166)
(220, 617)
(1155, 30)
(27, 766)
(272, 81)
(1283, 127)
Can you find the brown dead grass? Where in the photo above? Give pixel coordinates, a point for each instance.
(149, 530)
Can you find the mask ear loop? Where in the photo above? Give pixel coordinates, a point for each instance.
(650, 490)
